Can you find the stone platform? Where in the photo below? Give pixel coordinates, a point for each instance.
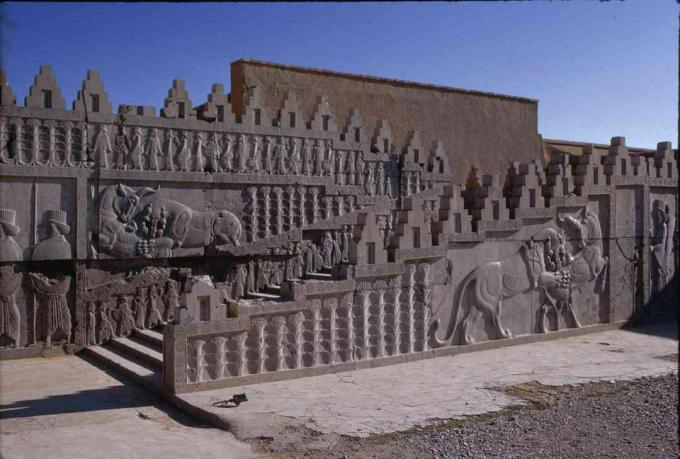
(399, 397)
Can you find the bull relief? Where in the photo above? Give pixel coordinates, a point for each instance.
(545, 263)
(141, 223)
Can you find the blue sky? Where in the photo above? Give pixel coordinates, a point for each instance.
(598, 69)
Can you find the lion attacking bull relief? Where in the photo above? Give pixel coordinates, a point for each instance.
(139, 223)
(543, 263)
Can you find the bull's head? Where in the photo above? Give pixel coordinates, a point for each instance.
(576, 227)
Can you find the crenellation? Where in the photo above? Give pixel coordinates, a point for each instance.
(7, 97)
(178, 105)
(323, 118)
(91, 97)
(355, 133)
(290, 116)
(44, 93)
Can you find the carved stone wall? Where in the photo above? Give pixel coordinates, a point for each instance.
(288, 246)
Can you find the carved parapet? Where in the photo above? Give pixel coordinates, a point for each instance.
(44, 93)
(92, 97)
(7, 97)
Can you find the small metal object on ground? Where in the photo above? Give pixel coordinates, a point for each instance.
(237, 399)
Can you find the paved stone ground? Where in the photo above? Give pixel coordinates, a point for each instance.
(630, 419)
(400, 397)
(65, 407)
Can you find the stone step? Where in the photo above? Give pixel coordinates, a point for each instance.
(263, 295)
(319, 276)
(152, 338)
(139, 350)
(136, 371)
(274, 290)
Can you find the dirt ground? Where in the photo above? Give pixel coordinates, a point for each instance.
(608, 419)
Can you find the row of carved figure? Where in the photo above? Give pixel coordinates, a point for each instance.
(118, 315)
(379, 319)
(275, 210)
(302, 258)
(413, 183)
(60, 143)
(50, 320)
(53, 247)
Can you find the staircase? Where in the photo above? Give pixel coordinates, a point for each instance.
(138, 357)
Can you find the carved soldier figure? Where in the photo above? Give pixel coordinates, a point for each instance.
(140, 308)
(255, 160)
(337, 251)
(57, 315)
(184, 154)
(55, 246)
(268, 155)
(262, 275)
(120, 149)
(136, 150)
(240, 281)
(368, 179)
(316, 157)
(294, 157)
(213, 154)
(9, 249)
(153, 149)
(344, 245)
(154, 313)
(306, 157)
(327, 250)
(242, 153)
(105, 325)
(228, 158)
(170, 150)
(172, 301)
(10, 281)
(299, 263)
(359, 172)
(126, 322)
(329, 163)
(102, 146)
(350, 168)
(280, 157)
(329, 157)
(251, 277)
(199, 164)
(339, 169)
(91, 323)
(380, 178)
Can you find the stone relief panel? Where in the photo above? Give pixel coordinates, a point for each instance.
(552, 262)
(141, 299)
(143, 223)
(663, 242)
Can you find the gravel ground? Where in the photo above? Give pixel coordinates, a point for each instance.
(637, 419)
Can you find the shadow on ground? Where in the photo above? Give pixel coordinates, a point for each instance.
(126, 395)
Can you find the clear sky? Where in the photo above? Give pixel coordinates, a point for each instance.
(598, 69)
